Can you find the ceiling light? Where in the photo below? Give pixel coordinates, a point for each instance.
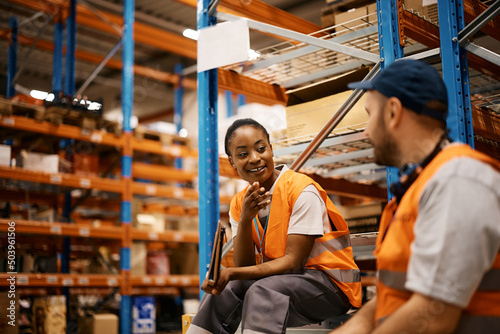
(253, 55)
(38, 94)
(94, 106)
(190, 33)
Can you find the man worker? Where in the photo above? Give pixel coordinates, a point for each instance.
(438, 245)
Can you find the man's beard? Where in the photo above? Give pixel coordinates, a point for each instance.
(386, 152)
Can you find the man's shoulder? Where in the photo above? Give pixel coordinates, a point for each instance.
(469, 169)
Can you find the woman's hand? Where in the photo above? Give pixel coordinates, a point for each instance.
(256, 198)
(223, 279)
(244, 249)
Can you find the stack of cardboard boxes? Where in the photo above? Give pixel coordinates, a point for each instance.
(352, 13)
(309, 109)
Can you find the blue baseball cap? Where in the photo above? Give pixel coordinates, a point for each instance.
(413, 82)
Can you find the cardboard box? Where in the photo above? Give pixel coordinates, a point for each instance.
(158, 263)
(144, 315)
(354, 18)
(327, 17)
(138, 259)
(105, 323)
(184, 260)
(344, 11)
(47, 163)
(189, 224)
(49, 315)
(5, 152)
(86, 164)
(344, 5)
(137, 206)
(309, 110)
(152, 222)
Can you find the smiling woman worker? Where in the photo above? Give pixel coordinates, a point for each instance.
(304, 271)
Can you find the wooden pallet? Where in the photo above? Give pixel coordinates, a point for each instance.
(141, 133)
(20, 108)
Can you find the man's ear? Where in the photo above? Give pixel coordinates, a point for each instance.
(394, 113)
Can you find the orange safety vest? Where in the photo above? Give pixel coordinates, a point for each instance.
(393, 252)
(335, 252)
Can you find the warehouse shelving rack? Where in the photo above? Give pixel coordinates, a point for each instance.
(300, 60)
(38, 283)
(128, 285)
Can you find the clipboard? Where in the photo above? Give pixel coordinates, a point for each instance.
(215, 261)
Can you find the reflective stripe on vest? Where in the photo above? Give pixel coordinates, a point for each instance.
(331, 246)
(393, 279)
(397, 280)
(345, 276)
(472, 324)
(491, 280)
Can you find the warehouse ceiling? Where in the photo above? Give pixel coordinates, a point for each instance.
(159, 45)
(97, 35)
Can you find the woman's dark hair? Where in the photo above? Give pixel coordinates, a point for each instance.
(238, 124)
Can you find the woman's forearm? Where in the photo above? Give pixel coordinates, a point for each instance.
(244, 250)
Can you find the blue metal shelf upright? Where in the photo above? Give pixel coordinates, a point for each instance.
(208, 155)
(390, 49)
(455, 71)
(12, 60)
(126, 207)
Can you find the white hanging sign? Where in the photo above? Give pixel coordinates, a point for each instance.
(223, 44)
(428, 2)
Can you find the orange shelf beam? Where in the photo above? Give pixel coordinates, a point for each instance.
(262, 12)
(143, 33)
(62, 229)
(62, 280)
(225, 168)
(257, 91)
(166, 236)
(163, 191)
(173, 210)
(100, 291)
(350, 189)
(62, 179)
(62, 130)
(156, 147)
(159, 190)
(156, 291)
(166, 280)
(160, 173)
